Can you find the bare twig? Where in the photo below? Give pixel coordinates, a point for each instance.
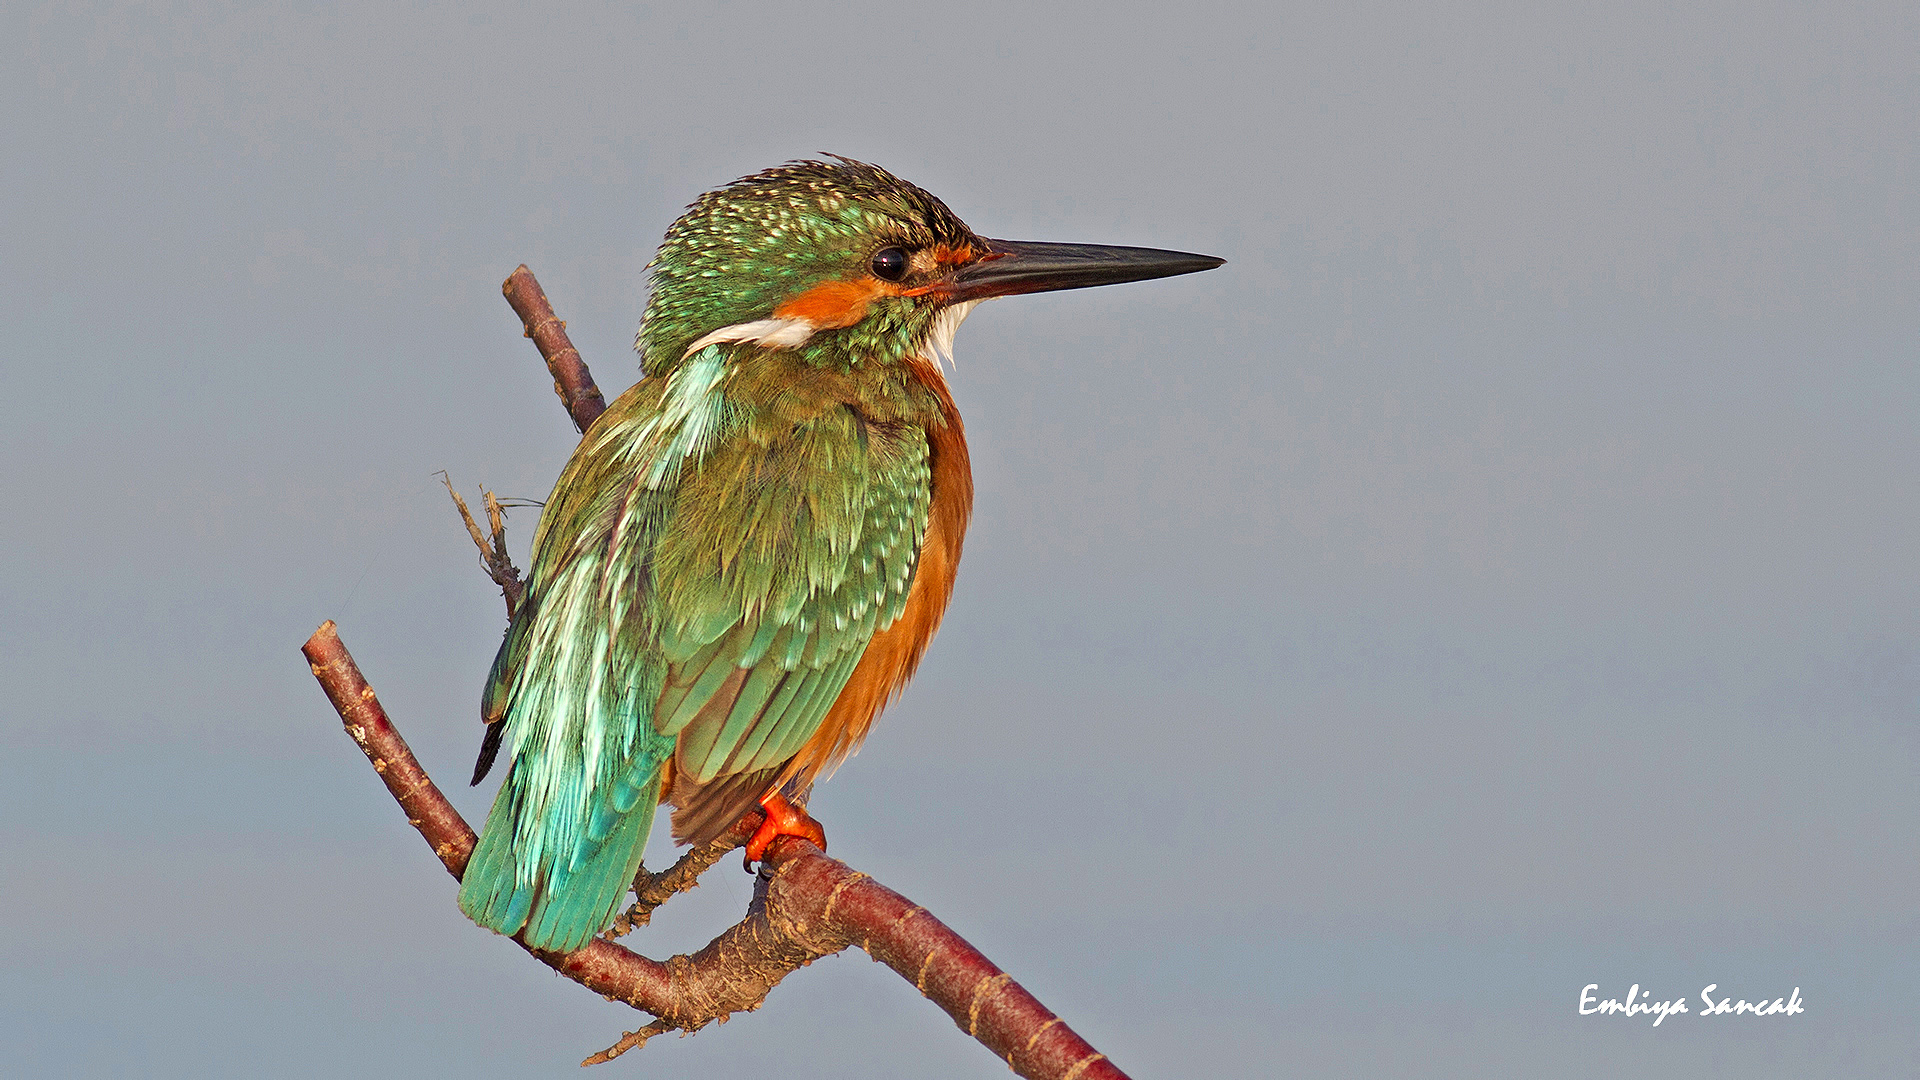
(652, 890)
(493, 555)
(497, 521)
(632, 1040)
(571, 379)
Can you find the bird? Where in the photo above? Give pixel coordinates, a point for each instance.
(745, 557)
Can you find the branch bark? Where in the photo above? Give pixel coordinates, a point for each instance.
(571, 379)
(805, 905)
(651, 890)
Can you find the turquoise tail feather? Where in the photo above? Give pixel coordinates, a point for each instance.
(562, 903)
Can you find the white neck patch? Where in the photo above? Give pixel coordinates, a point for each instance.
(787, 333)
(772, 333)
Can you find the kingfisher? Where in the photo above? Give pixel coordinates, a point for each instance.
(747, 554)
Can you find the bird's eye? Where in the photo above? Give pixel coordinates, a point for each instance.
(889, 264)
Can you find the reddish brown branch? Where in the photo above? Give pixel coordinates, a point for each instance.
(571, 379)
(429, 811)
(806, 906)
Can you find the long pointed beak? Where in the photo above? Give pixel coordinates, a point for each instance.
(1017, 266)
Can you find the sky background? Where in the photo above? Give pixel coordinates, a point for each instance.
(1500, 577)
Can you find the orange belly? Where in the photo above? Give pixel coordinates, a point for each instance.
(895, 652)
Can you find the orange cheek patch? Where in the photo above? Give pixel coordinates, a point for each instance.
(831, 305)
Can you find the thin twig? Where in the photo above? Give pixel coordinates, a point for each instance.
(493, 556)
(632, 1040)
(651, 890)
(497, 519)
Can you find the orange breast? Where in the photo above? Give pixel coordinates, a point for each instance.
(895, 652)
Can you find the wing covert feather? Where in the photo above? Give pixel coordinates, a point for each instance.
(831, 524)
(705, 581)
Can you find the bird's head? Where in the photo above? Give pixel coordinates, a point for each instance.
(845, 263)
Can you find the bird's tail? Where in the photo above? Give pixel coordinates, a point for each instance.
(560, 895)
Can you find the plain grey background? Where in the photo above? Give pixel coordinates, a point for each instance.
(1500, 577)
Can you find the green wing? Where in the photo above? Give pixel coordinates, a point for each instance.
(790, 545)
(570, 700)
(705, 579)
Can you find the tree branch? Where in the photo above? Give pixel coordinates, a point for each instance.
(805, 905)
(571, 379)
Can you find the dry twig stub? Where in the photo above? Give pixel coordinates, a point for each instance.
(493, 550)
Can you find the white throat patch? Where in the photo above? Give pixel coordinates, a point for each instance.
(940, 334)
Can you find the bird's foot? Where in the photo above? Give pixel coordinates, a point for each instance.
(783, 819)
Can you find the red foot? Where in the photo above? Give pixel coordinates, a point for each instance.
(783, 819)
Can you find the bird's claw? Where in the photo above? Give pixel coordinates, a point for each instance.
(783, 819)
